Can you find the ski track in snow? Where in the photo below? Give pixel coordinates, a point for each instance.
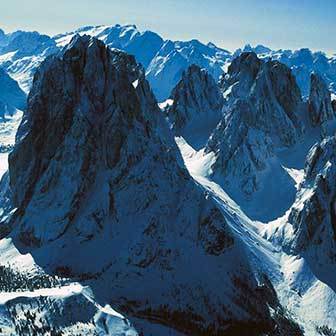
(309, 301)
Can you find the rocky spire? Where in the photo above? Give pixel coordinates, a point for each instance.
(271, 89)
(196, 107)
(11, 96)
(313, 215)
(241, 75)
(261, 114)
(320, 105)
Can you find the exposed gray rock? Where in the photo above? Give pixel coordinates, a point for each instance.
(272, 92)
(320, 106)
(197, 106)
(241, 75)
(11, 96)
(333, 103)
(313, 215)
(261, 115)
(242, 151)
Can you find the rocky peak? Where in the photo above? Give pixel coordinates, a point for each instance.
(272, 90)
(241, 74)
(241, 149)
(278, 100)
(11, 95)
(319, 104)
(261, 115)
(196, 107)
(303, 56)
(313, 215)
(78, 85)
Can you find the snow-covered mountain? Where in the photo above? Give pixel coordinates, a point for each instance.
(132, 222)
(261, 114)
(320, 107)
(313, 214)
(164, 60)
(12, 103)
(222, 230)
(302, 62)
(173, 58)
(22, 52)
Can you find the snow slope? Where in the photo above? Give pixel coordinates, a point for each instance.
(61, 309)
(308, 300)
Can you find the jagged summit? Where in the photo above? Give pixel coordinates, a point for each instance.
(272, 90)
(261, 114)
(12, 98)
(197, 106)
(319, 104)
(241, 74)
(313, 215)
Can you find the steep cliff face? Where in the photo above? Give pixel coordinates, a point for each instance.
(197, 106)
(303, 62)
(241, 150)
(261, 114)
(319, 104)
(99, 193)
(12, 98)
(333, 103)
(271, 89)
(241, 75)
(313, 215)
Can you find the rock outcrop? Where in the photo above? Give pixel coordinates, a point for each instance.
(12, 98)
(273, 93)
(261, 114)
(319, 105)
(313, 215)
(333, 103)
(197, 106)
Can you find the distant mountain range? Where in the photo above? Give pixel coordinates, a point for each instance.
(164, 60)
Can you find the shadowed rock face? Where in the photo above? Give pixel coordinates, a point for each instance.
(333, 103)
(320, 105)
(272, 92)
(313, 215)
(11, 96)
(197, 105)
(242, 72)
(241, 150)
(260, 115)
(99, 193)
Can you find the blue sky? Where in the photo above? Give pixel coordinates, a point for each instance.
(228, 23)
